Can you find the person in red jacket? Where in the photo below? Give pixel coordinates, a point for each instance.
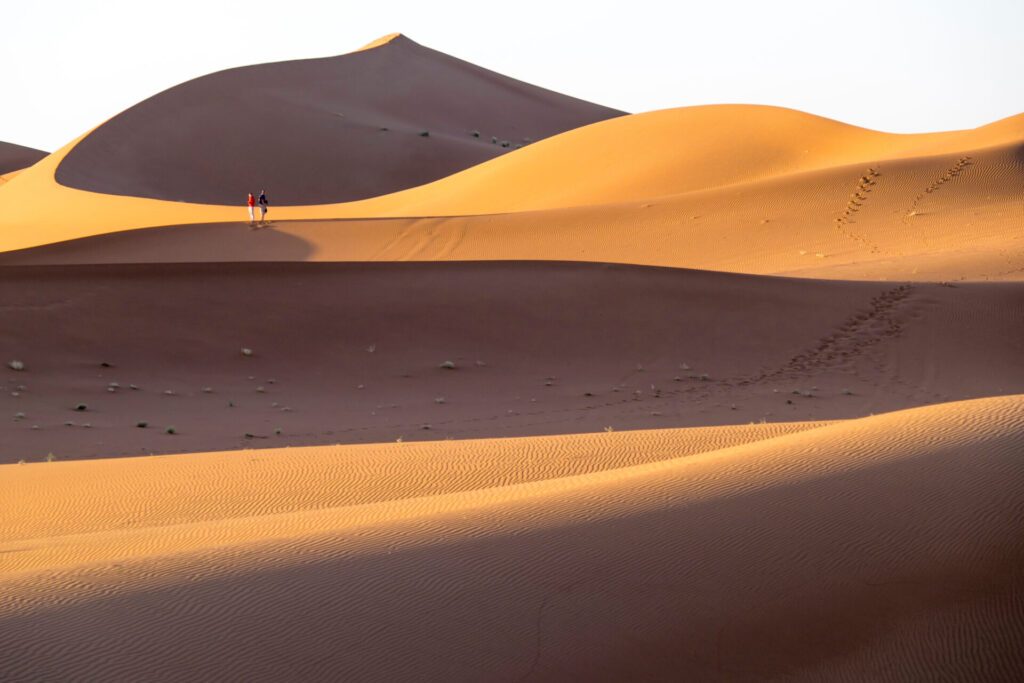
(252, 209)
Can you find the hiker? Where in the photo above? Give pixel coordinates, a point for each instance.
(263, 206)
(252, 205)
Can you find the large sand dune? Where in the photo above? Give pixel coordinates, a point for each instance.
(713, 393)
(317, 131)
(882, 548)
(802, 172)
(352, 352)
(934, 218)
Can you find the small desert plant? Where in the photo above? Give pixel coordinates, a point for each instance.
(207, 390)
(16, 365)
(424, 133)
(494, 140)
(439, 400)
(81, 407)
(21, 462)
(260, 390)
(278, 431)
(142, 424)
(19, 416)
(371, 348)
(447, 365)
(171, 430)
(398, 440)
(475, 133)
(609, 429)
(847, 392)
(250, 435)
(246, 351)
(50, 457)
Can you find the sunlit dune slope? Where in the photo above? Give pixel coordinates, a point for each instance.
(683, 154)
(885, 547)
(148, 490)
(944, 217)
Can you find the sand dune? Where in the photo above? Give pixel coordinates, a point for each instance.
(15, 157)
(835, 552)
(935, 218)
(723, 151)
(318, 131)
(539, 348)
(711, 393)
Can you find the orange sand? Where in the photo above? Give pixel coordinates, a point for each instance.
(788, 550)
(883, 546)
(798, 172)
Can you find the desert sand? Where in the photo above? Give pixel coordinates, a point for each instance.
(724, 392)
(884, 547)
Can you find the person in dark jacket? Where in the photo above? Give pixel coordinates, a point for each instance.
(262, 201)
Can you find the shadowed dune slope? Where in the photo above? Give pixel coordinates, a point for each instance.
(318, 131)
(887, 547)
(15, 157)
(539, 348)
(697, 152)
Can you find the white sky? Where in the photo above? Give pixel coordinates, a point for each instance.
(895, 65)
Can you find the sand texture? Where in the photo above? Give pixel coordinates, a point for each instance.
(715, 393)
(833, 552)
(316, 131)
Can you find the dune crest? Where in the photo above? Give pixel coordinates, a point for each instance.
(847, 528)
(628, 160)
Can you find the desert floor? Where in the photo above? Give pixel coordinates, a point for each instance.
(611, 406)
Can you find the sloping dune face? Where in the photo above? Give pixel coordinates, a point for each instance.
(352, 353)
(319, 131)
(706, 176)
(15, 157)
(882, 548)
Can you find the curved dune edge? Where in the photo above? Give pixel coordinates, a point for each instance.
(620, 160)
(141, 501)
(935, 218)
(383, 40)
(887, 545)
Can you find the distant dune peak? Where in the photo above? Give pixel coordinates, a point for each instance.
(320, 131)
(383, 40)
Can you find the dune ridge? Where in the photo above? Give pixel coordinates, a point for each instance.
(390, 116)
(623, 160)
(937, 218)
(538, 348)
(849, 527)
